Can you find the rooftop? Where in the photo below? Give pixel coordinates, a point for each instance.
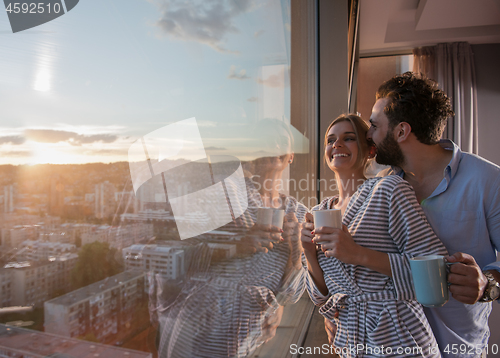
(38, 344)
(47, 244)
(96, 288)
(151, 248)
(33, 264)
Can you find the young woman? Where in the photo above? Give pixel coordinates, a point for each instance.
(361, 277)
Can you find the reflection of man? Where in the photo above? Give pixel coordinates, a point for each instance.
(460, 197)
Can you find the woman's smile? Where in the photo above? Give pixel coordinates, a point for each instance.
(342, 146)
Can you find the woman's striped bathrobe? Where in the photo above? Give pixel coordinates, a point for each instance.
(375, 310)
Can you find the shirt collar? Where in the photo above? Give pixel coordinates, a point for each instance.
(451, 168)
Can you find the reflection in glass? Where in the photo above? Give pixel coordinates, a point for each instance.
(235, 286)
(88, 254)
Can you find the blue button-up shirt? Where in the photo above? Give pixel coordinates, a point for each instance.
(464, 211)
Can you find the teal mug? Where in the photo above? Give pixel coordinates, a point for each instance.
(429, 280)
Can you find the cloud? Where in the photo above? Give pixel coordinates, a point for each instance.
(204, 21)
(122, 152)
(13, 139)
(215, 148)
(277, 80)
(242, 75)
(73, 138)
(253, 99)
(16, 153)
(274, 81)
(257, 34)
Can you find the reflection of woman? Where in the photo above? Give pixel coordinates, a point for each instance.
(361, 275)
(227, 308)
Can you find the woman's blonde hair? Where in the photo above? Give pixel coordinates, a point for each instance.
(360, 129)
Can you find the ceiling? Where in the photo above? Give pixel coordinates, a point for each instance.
(397, 26)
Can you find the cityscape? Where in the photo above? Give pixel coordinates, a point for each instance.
(81, 253)
(78, 254)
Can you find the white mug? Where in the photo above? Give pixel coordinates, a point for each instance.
(328, 218)
(270, 216)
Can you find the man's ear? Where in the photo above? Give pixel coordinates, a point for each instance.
(371, 151)
(402, 131)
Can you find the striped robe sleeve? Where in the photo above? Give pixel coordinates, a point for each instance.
(412, 235)
(316, 296)
(294, 280)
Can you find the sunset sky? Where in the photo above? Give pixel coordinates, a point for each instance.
(83, 87)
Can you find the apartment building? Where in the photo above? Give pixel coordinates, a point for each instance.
(101, 308)
(12, 219)
(168, 261)
(77, 229)
(148, 215)
(22, 343)
(32, 283)
(97, 233)
(133, 233)
(14, 228)
(14, 236)
(5, 288)
(9, 194)
(104, 200)
(124, 196)
(119, 236)
(56, 235)
(42, 251)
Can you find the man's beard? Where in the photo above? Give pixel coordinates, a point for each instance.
(389, 152)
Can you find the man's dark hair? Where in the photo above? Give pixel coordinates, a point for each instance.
(418, 101)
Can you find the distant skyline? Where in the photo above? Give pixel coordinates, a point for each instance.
(83, 87)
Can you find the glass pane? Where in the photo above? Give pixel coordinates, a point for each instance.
(143, 141)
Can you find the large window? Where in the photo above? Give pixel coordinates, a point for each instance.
(139, 138)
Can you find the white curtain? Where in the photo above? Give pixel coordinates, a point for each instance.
(452, 66)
